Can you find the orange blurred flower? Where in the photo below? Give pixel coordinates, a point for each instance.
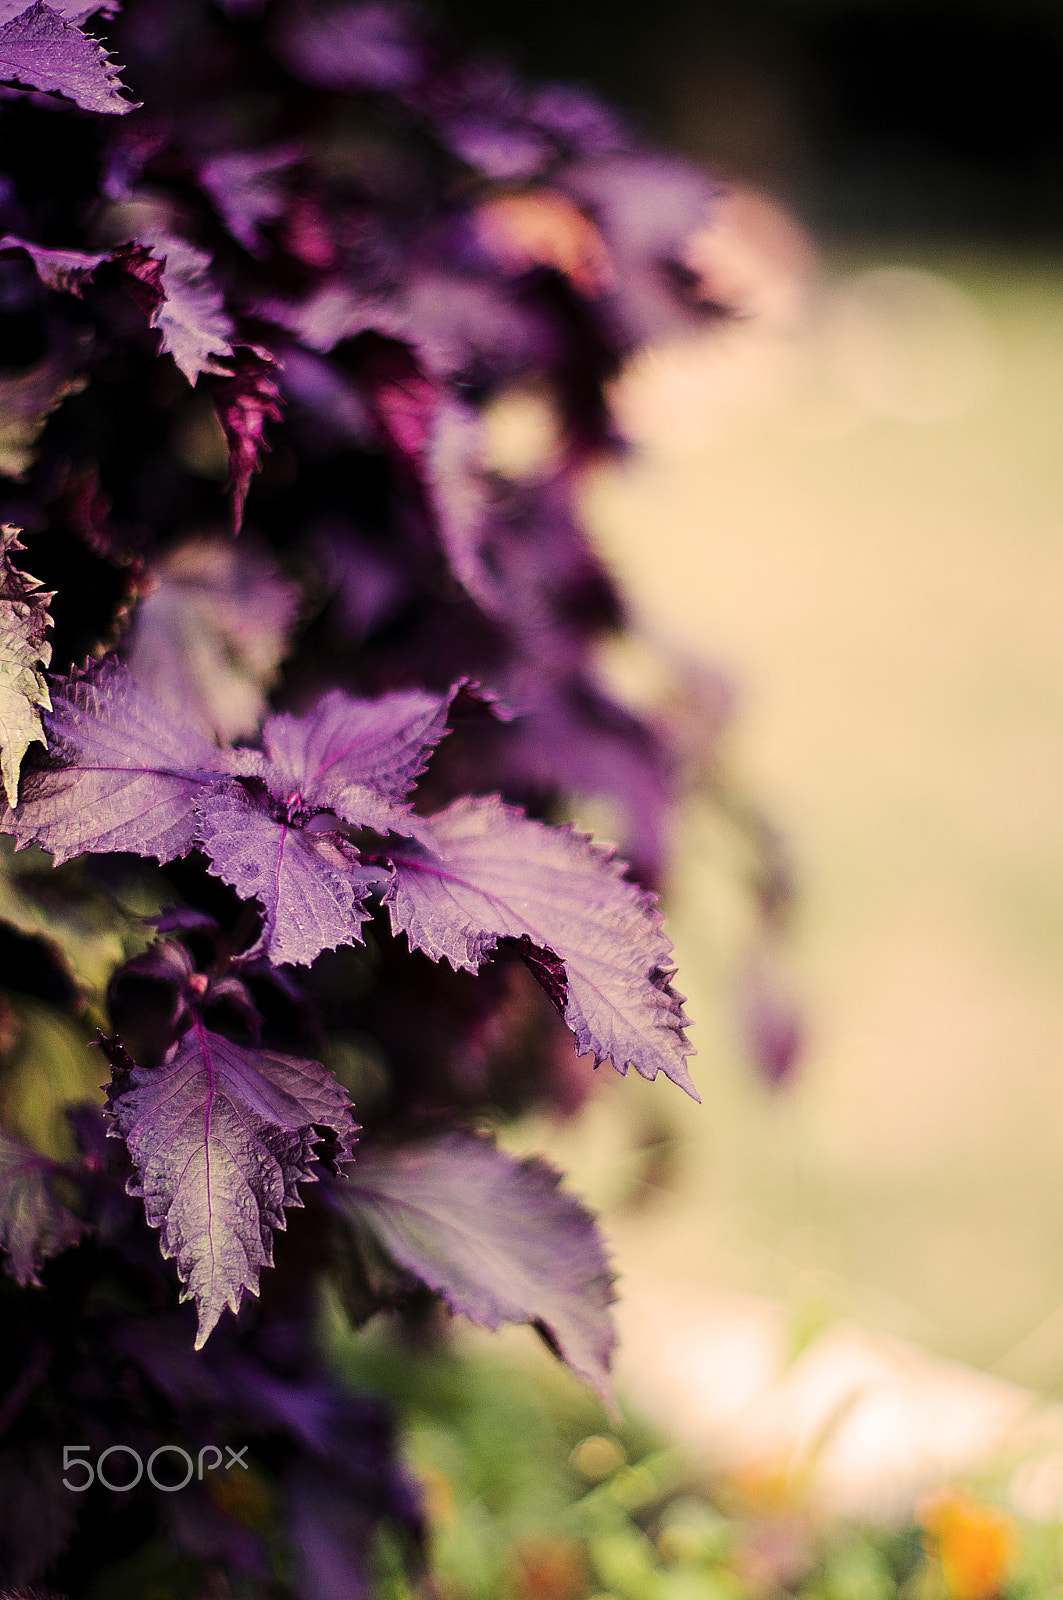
(544, 228)
(973, 1543)
(548, 1568)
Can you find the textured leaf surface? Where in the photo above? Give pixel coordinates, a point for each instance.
(24, 651)
(500, 875)
(69, 10)
(34, 1224)
(220, 1137)
(275, 836)
(191, 317)
(309, 888)
(345, 750)
(41, 49)
(495, 1237)
(123, 774)
(208, 639)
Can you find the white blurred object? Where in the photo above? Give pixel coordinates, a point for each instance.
(907, 344)
(864, 1422)
(755, 259)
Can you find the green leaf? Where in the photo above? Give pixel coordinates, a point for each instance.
(89, 933)
(26, 399)
(53, 1066)
(34, 1222)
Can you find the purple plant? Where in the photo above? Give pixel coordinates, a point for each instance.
(249, 331)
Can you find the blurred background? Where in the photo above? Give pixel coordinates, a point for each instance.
(850, 501)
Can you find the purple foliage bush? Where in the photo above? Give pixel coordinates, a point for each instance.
(289, 711)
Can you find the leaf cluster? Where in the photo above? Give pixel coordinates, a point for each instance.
(290, 721)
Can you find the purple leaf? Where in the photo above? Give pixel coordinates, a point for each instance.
(503, 149)
(170, 281)
(34, 1224)
(770, 1020)
(245, 401)
(495, 1237)
(246, 190)
(141, 276)
(439, 442)
(497, 874)
(333, 313)
(335, 411)
(37, 1514)
(579, 740)
(207, 640)
(192, 319)
(40, 49)
(353, 46)
(459, 499)
(24, 651)
(220, 1137)
(344, 747)
(122, 774)
(64, 270)
(276, 836)
(648, 209)
(308, 883)
(576, 119)
(70, 10)
(403, 398)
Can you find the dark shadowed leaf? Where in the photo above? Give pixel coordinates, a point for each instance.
(220, 1137)
(354, 46)
(37, 1514)
(245, 401)
(41, 49)
(247, 188)
(496, 874)
(24, 651)
(496, 1237)
(26, 399)
(65, 270)
(34, 1223)
(458, 495)
(122, 774)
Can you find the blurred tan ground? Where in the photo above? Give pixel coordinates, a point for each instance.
(857, 510)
